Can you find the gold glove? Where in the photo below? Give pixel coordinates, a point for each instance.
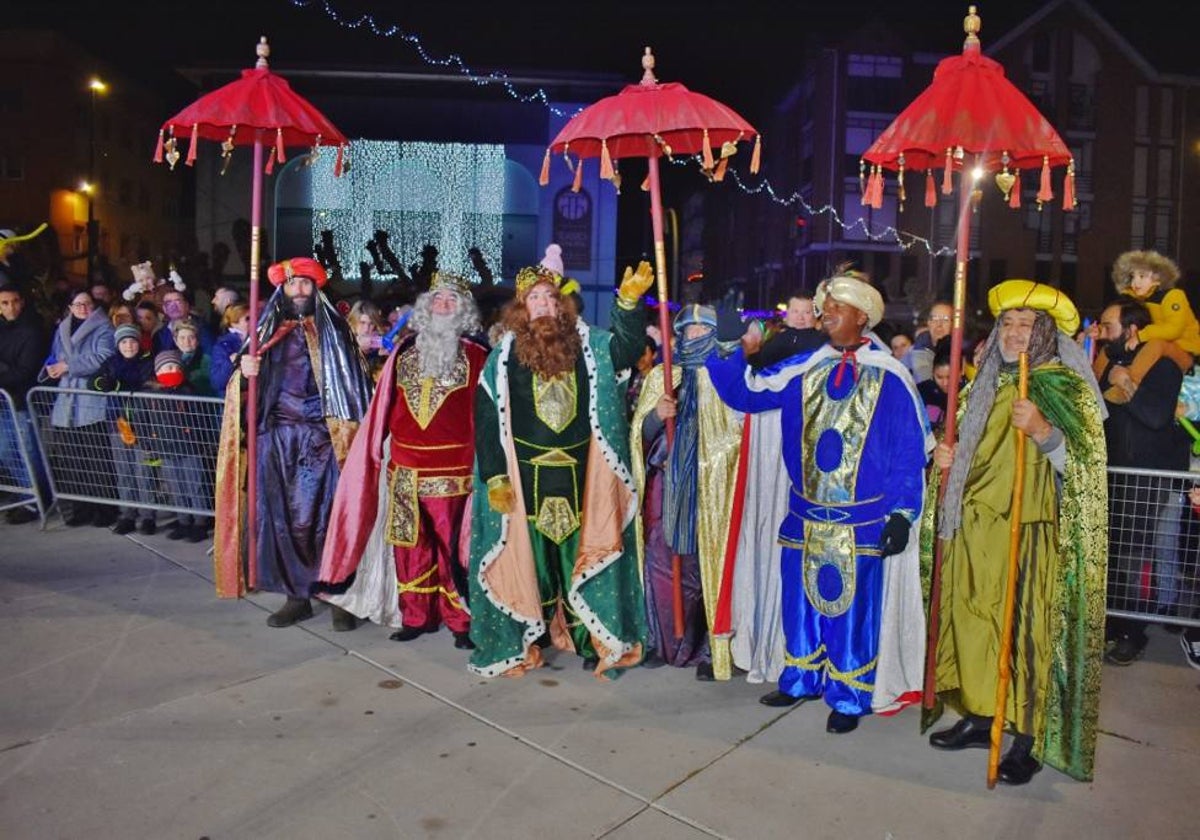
(634, 284)
(500, 494)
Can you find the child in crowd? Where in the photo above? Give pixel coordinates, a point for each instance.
(235, 324)
(1150, 277)
(195, 360)
(177, 441)
(128, 371)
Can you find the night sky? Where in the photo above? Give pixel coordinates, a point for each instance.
(745, 53)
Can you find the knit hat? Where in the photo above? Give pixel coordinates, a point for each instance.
(127, 331)
(167, 357)
(549, 270)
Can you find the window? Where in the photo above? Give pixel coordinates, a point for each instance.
(1141, 112)
(1141, 167)
(883, 66)
(873, 83)
(1166, 120)
(861, 132)
(863, 222)
(1137, 226)
(1162, 228)
(1043, 52)
(1164, 182)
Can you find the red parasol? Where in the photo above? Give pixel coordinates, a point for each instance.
(258, 108)
(649, 120)
(972, 120)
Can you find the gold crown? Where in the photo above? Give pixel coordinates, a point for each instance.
(446, 280)
(531, 275)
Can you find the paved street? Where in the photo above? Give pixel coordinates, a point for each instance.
(136, 705)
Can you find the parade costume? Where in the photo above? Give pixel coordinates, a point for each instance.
(313, 391)
(855, 450)
(687, 501)
(400, 503)
(563, 559)
(1058, 636)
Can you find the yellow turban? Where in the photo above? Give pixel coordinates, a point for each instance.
(1030, 294)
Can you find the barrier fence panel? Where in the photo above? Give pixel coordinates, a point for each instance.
(18, 452)
(1153, 545)
(142, 451)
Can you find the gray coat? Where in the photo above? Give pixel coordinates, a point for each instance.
(83, 352)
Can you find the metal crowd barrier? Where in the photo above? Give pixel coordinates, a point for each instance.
(1153, 546)
(18, 451)
(142, 451)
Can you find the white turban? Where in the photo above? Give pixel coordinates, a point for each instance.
(852, 292)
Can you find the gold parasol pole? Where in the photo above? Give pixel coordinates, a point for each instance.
(1004, 664)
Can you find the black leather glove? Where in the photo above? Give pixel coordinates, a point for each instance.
(729, 325)
(895, 536)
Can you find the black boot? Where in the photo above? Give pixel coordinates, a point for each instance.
(124, 526)
(296, 609)
(103, 516)
(343, 621)
(462, 641)
(704, 672)
(780, 698)
(406, 634)
(840, 723)
(1018, 765)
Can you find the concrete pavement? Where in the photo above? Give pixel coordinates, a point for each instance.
(136, 704)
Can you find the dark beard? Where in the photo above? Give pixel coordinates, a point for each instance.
(305, 308)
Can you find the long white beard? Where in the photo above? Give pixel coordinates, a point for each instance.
(437, 346)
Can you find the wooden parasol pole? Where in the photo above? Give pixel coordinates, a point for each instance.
(1004, 664)
(963, 253)
(252, 388)
(664, 326)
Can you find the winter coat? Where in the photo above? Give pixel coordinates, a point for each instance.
(22, 350)
(84, 352)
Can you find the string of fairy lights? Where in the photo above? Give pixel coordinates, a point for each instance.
(904, 239)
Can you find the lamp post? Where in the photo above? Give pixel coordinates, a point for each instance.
(95, 88)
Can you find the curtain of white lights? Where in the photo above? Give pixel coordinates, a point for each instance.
(450, 195)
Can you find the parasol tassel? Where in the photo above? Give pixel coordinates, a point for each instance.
(1014, 193)
(706, 154)
(279, 145)
(606, 167)
(1045, 193)
(544, 178)
(877, 194)
(191, 156)
(645, 186)
(158, 148)
(270, 167)
(1069, 188)
(722, 165)
(930, 189)
(756, 157)
(577, 184)
(337, 164)
(947, 181)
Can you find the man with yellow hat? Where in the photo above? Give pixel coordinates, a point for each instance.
(553, 557)
(856, 442)
(1058, 629)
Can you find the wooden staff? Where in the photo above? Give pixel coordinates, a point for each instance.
(1004, 664)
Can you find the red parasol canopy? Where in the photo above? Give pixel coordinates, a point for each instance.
(260, 106)
(970, 117)
(652, 119)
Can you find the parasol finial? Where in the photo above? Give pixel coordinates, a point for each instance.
(971, 25)
(648, 68)
(262, 50)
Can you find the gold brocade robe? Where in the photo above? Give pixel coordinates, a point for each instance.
(718, 448)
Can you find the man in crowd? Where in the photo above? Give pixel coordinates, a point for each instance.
(23, 346)
(313, 390)
(1057, 631)
(1140, 432)
(937, 327)
(222, 298)
(177, 307)
(855, 444)
(553, 554)
(399, 507)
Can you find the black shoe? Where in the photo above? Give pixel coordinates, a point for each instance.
(1124, 651)
(704, 672)
(590, 663)
(1018, 766)
(196, 533)
(178, 531)
(406, 634)
(147, 527)
(103, 516)
(967, 733)
(779, 699)
(78, 516)
(296, 609)
(840, 723)
(123, 527)
(21, 515)
(343, 620)
(462, 641)
(653, 660)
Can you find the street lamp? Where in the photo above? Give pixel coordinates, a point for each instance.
(96, 87)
